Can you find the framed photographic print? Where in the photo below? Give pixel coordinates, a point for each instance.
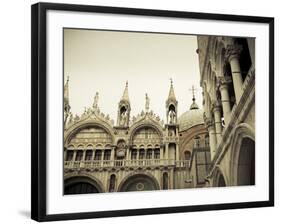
(139, 111)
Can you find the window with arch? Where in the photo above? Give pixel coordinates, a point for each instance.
(149, 154)
(107, 154)
(157, 154)
(142, 154)
(89, 155)
(79, 155)
(134, 154)
(69, 155)
(98, 155)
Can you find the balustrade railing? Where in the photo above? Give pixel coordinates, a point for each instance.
(125, 163)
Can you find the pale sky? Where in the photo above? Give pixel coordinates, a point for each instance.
(102, 61)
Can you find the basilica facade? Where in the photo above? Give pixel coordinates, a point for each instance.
(227, 70)
(137, 153)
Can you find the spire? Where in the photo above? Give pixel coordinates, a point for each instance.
(171, 92)
(124, 109)
(66, 106)
(66, 92)
(194, 105)
(125, 96)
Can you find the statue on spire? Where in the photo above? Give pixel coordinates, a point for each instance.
(147, 100)
(123, 117)
(171, 105)
(96, 99)
(66, 104)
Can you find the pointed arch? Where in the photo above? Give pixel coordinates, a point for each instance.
(242, 131)
(219, 179)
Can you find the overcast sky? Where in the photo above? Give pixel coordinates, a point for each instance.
(102, 61)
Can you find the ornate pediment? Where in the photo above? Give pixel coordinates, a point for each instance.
(146, 117)
(89, 115)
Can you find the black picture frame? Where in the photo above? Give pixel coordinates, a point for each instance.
(39, 110)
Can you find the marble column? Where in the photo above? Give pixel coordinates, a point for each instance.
(112, 154)
(161, 153)
(84, 155)
(177, 153)
(218, 125)
(212, 135)
(225, 102)
(232, 54)
(166, 151)
(138, 154)
(127, 154)
(74, 155)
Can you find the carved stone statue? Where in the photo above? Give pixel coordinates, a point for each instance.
(96, 99)
(70, 120)
(76, 118)
(172, 115)
(147, 100)
(123, 118)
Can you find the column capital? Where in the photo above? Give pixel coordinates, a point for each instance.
(223, 80)
(209, 123)
(233, 51)
(216, 107)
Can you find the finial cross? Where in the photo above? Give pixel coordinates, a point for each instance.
(193, 91)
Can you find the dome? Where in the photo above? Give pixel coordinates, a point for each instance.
(190, 118)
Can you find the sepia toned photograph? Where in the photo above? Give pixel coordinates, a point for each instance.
(157, 111)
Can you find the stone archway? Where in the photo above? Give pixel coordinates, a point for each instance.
(219, 180)
(81, 185)
(246, 163)
(242, 159)
(139, 182)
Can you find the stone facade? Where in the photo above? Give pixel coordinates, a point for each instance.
(137, 153)
(227, 67)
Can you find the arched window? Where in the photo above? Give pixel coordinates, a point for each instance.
(165, 181)
(79, 155)
(187, 155)
(149, 154)
(107, 154)
(134, 154)
(98, 155)
(112, 183)
(157, 154)
(69, 155)
(89, 155)
(142, 154)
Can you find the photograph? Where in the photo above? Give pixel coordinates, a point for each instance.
(147, 111)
